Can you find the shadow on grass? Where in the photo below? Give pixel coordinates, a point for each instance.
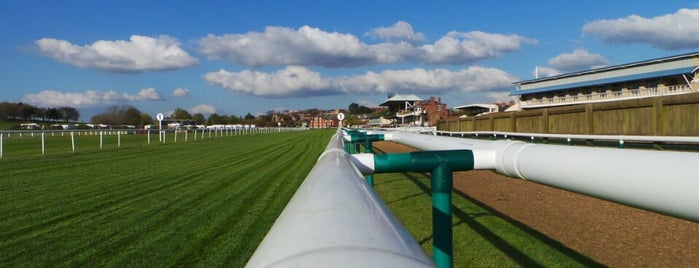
(501, 244)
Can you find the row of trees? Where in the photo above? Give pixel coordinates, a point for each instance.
(128, 115)
(23, 111)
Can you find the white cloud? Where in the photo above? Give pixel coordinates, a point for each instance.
(399, 32)
(578, 60)
(89, 98)
(203, 109)
(295, 81)
(671, 31)
(286, 46)
(541, 71)
(139, 53)
(180, 92)
(459, 47)
(308, 46)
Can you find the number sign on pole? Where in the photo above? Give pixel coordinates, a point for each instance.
(160, 118)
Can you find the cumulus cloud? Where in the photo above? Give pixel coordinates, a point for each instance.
(671, 31)
(399, 32)
(296, 81)
(458, 47)
(286, 46)
(578, 60)
(308, 46)
(89, 98)
(180, 92)
(293, 81)
(139, 53)
(203, 109)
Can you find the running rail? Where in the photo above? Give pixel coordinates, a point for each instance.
(335, 219)
(661, 181)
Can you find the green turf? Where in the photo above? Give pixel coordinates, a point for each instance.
(481, 237)
(205, 203)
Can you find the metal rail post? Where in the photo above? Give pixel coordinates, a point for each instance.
(440, 164)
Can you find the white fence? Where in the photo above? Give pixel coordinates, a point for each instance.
(637, 93)
(113, 137)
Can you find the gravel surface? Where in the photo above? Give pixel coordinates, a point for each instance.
(613, 234)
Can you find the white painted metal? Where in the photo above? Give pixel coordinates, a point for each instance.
(336, 220)
(661, 181)
(626, 138)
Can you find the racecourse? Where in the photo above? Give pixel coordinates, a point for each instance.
(198, 203)
(207, 202)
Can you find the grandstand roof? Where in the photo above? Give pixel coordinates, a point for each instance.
(669, 66)
(400, 100)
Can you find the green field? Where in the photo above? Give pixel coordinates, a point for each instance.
(205, 203)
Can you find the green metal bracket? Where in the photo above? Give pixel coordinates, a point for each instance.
(440, 164)
(357, 138)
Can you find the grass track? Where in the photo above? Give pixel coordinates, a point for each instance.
(205, 203)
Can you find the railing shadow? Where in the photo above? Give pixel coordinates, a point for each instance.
(497, 241)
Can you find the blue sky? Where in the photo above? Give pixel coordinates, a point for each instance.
(235, 57)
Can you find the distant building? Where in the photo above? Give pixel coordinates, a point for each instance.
(412, 110)
(323, 122)
(400, 108)
(646, 79)
(477, 109)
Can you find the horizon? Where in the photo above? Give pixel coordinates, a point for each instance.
(236, 58)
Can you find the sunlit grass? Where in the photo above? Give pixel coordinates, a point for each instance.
(205, 203)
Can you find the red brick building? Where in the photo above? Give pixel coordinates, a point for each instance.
(321, 122)
(431, 111)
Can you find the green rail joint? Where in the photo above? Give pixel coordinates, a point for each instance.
(357, 138)
(440, 164)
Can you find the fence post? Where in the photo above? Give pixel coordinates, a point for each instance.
(72, 140)
(43, 143)
(1, 135)
(118, 139)
(101, 135)
(440, 164)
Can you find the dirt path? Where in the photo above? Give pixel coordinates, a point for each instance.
(612, 234)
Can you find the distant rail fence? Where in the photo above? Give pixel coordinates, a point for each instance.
(675, 115)
(35, 142)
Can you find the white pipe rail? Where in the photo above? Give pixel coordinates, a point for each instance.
(661, 181)
(336, 220)
(676, 139)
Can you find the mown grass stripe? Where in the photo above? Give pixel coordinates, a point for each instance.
(160, 205)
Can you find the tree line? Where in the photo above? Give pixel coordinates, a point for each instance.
(122, 115)
(23, 111)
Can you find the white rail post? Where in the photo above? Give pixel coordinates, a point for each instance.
(72, 140)
(43, 143)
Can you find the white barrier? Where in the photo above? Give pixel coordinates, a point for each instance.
(661, 181)
(336, 220)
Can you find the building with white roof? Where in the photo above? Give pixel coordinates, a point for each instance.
(646, 79)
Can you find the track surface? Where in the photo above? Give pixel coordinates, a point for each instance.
(613, 234)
